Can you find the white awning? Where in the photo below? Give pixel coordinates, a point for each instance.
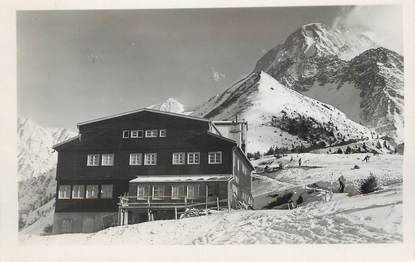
(183, 178)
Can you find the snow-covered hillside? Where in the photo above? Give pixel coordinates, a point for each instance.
(281, 116)
(322, 170)
(35, 153)
(170, 105)
(344, 69)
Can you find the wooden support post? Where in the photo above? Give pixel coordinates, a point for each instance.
(206, 196)
(217, 202)
(125, 217)
(229, 196)
(121, 217)
(175, 213)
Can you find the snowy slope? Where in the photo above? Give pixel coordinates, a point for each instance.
(359, 219)
(35, 153)
(281, 116)
(344, 69)
(37, 170)
(170, 105)
(36, 191)
(40, 219)
(325, 169)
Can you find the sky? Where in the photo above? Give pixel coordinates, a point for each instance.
(74, 66)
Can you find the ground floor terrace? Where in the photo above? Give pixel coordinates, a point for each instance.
(159, 198)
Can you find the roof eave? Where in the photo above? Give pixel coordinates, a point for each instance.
(141, 110)
(65, 142)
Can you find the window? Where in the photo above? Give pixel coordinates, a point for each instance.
(78, 191)
(93, 160)
(193, 158)
(162, 133)
(158, 192)
(64, 192)
(150, 159)
(140, 133)
(178, 158)
(136, 159)
(177, 191)
(107, 159)
(152, 133)
(143, 191)
(66, 226)
(125, 133)
(215, 157)
(106, 191)
(91, 191)
(192, 191)
(137, 133)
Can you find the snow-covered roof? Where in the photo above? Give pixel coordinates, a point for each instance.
(140, 110)
(181, 178)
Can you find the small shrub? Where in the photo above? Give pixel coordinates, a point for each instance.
(369, 184)
(348, 150)
(280, 200)
(356, 167)
(48, 229)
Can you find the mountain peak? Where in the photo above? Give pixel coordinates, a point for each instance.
(314, 28)
(379, 54)
(170, 105)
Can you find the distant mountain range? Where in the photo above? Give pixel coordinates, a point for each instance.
(367, 86)
(35, 153)
(335, 66)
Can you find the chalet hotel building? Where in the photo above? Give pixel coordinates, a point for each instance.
(148, 165)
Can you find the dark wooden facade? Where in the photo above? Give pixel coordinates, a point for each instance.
(105, 136)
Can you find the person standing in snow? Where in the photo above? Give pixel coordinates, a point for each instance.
(299, 162)
(342, 182)
(366, 158)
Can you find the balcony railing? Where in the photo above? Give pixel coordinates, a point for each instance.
(127, 202)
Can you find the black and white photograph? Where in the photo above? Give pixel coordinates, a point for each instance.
(211, 126)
